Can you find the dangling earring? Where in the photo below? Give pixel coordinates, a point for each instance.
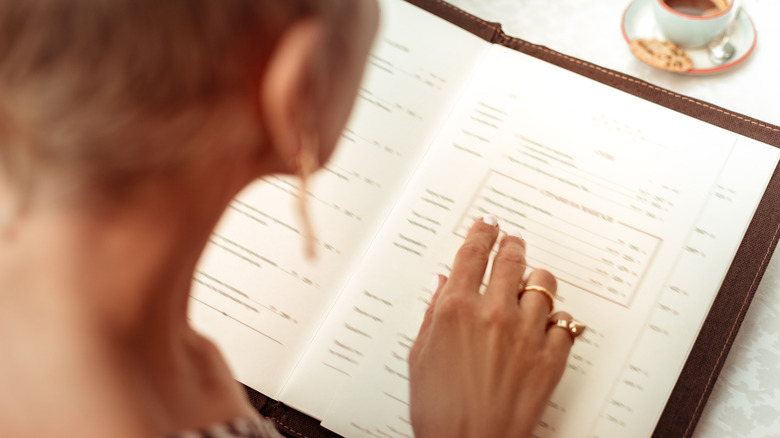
(6, 213)
(306, 164)
(9, 211)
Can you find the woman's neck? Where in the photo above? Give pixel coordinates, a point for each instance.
(98, 300)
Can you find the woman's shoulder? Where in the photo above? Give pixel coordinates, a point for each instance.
(240, 428)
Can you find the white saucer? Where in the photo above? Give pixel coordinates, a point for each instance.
(638, 22)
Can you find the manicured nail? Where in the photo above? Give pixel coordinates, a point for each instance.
(435, 282)
(515, 233)
(490, 220)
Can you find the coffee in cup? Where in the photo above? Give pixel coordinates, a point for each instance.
(698, 8)
(693, 23)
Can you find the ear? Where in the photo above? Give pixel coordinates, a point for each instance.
(288, 88)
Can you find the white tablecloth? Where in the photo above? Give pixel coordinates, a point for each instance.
(746, 398)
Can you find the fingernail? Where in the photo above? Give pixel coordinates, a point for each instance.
(435, 282)
(490, 220)
(516, 233)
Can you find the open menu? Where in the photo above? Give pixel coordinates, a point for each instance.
(638, 211)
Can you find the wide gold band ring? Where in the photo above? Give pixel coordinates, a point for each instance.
(575, 328)
(541, 289)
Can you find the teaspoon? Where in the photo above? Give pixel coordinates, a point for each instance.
(721, 50)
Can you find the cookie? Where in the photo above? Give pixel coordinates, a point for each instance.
(662, 54)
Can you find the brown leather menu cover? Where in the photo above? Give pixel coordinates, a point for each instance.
(708, 355)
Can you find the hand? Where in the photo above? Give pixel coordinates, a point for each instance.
(484, 366)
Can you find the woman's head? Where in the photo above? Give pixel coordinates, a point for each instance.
(96, 95)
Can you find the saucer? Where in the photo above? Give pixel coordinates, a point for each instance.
(639, 22)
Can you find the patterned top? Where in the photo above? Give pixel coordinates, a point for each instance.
(240, 428)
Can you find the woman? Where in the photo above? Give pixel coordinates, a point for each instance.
(126, 127)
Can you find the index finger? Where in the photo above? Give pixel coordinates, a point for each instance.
(471, 260)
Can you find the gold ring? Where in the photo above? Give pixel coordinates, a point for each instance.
(541, 289)
(574, 327)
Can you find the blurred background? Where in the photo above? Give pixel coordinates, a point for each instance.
(592, 31)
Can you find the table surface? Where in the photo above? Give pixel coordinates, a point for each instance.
(746, 399)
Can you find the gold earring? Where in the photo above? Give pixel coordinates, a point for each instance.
(9, 211)
(306, 163)
(6, 213)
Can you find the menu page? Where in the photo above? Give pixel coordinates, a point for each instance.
(255, 292)
(636, 209)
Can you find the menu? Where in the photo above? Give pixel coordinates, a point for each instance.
(637, 210)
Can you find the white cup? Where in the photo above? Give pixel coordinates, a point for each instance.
(684, 25)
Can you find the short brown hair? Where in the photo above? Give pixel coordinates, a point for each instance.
(93, 89)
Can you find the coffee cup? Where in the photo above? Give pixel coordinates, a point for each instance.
(693, 23)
